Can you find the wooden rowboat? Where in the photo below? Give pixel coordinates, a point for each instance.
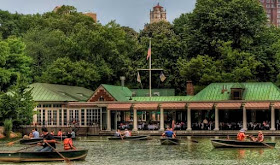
(169, 141)
(24, 156)
(143, 137)
(223, 143)
(30, 141)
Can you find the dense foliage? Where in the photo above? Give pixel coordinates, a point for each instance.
(220, 41)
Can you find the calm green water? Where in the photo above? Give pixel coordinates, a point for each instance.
(103, 152)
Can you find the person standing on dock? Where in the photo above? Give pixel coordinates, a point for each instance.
(48, 138)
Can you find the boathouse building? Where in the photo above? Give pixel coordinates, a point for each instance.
(219, 106)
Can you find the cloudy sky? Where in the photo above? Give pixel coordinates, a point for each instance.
(132, 13)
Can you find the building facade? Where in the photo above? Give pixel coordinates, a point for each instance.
(272, 9)
(220, 106)
(157, 14)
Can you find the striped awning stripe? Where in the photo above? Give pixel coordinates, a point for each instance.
(146, 106)
(202, 106)
(123, 107)
(229, 105)
(173, 105)
(262, 105)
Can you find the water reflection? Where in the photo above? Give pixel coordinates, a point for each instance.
(102, 151)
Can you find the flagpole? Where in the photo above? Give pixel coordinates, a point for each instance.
(150, 71)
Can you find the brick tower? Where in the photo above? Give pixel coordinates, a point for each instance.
(158, 14)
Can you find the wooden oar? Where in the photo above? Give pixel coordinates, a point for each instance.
(64, 158)
(266, 145)
(27, 147)
(171, 141)
(13, 142)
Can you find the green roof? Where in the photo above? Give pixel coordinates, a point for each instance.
(54, 92)
(253, 91)
(145, 92)
(163, 98)
(118, 92)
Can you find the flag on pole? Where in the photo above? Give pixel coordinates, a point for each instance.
(162, 77)
(149, 51)
(138, 78)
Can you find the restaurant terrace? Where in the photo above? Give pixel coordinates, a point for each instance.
(219, 107)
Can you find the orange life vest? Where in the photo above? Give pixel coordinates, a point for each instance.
(241, 136)
(68, 143)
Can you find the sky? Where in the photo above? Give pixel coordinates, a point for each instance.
(132, 13)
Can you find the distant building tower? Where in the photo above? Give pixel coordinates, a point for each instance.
(272, 9)
(158, 14)
(92, 15)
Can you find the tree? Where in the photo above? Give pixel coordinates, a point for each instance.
(64, 71)
(239, 21)
(17, 104)
(13, 62)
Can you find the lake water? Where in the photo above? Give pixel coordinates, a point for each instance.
(103, 152)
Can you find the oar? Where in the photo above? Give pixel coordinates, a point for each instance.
(171, 141)
(13, 142)
(267, 145)
(27, 147)
(64, 158)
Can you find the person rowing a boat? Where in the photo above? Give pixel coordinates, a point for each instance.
(47, 138)
(241, 135)
(169, 133)
(260, 137)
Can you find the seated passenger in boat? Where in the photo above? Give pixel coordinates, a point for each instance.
(59, 133)
(118, 133)
(127, 133)
(35, 133)
(260, 137)
(68, 143)
(241, 135)
(169, 133)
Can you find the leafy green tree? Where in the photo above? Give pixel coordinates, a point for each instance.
(239, 21)
(13, 62)
(17, 104)
(64, 71)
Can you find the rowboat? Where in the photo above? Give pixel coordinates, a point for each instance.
(24, 156)
(143, 137)
(169, 141)
(30, 141)
(223, 143)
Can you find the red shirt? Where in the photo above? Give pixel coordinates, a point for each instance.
(241, 136)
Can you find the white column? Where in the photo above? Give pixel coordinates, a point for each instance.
(85, 118)
(67, 117)
(35, 116)
(108, 120)
(101, 122)
(161, 119)
(244, 118)
(272, 128)
(217, 119)
(135, 125)
(80, 117)
(189, 124)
